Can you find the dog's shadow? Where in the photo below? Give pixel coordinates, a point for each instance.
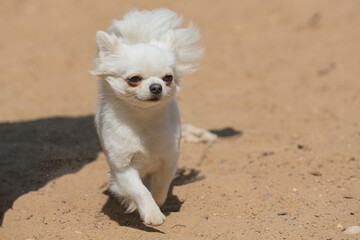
(116, 211)
(32, 153)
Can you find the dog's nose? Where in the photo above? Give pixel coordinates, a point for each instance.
(155, 88)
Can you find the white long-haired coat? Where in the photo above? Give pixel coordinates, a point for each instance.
(140, 62)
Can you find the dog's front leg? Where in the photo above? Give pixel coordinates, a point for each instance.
(131, 186)
(161, 180)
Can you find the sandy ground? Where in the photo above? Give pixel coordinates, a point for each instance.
(284, 74)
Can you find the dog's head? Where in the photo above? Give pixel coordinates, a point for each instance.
(145, 55)
(141, 74)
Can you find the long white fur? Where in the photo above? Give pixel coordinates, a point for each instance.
(141, 137)
(149, 26)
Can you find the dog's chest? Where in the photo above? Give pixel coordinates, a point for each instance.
(158, 142)
(157, 146)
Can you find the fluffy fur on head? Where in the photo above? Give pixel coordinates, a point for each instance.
(160, 27)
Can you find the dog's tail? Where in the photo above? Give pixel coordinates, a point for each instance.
(151, 26)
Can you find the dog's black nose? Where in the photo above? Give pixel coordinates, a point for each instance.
(155, 88)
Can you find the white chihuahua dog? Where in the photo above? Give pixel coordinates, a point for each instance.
(140, 62)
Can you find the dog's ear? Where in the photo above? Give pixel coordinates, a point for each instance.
(105, 44)
(168, 39)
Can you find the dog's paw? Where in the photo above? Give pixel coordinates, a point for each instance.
(154, 217)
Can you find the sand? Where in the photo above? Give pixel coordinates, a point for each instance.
(283, 75)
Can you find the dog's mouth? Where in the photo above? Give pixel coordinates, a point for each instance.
(154, 98)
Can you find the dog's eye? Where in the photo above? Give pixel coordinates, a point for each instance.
(168, 78)
(135, 79)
